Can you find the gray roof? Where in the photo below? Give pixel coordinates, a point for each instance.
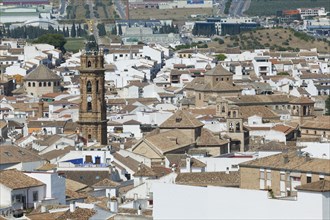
(41, 73)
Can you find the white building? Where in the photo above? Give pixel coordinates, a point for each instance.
(55, 186)
(233, 203)
(19, 191)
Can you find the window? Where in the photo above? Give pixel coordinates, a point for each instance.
(282, 176)
(33, 84)
(49, 84)
(89, 64)
(40, 84)
(29, 84)
(269, 175)
(97, 86)
(35, 196)
(309, 179)
(89, 106)
(262, 174)
(199, 96)
(89, 87)
(45, 84)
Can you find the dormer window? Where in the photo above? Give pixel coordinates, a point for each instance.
(178, 120)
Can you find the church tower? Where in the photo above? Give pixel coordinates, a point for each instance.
(92, 112)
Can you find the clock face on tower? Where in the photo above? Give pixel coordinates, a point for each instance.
(89, 98)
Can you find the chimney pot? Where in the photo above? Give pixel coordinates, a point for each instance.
(72, 206)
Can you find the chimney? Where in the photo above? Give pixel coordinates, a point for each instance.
(286, 158)
(113, 204)
(72, 206)
(43, 209)
(139, 211)
(40, 109)
(188, 164)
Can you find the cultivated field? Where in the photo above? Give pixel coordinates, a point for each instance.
(177, 14)
(269, 7)
(74, 44)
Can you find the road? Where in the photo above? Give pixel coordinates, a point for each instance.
(120, 9)
(92, 17)
(219, 7)
(237, 8)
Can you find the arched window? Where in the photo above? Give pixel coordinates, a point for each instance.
(238, 127)
(234, 114)
(29, 84)
(89, 106)
(45, 84)
(49, 84)
(33, 84)
(89, 87)
(223, 109)
(89, 64)
(305, 110)
(40, 84)
(229, 114)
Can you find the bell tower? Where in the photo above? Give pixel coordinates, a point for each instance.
(92, 111)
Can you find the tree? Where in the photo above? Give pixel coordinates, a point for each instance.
(57, 40)
(101, 29)
(73, 30)
(91, 44)
(114, 30)
(327, 106)
(220, 57)
(120, 31)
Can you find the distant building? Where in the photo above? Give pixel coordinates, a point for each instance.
(41, 81)
(25, 2)
(311, 12)
(281, 173)
(216, 82)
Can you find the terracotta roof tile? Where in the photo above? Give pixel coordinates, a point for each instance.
(168, 141)
(264, 112)
(144, 171)
(13, 154)
(106, 183)
(15, 179)
(207, 138)
(295, 163)
(181, 119)
(42, 73)
(209, 179)
(318, 186)
(78, 214)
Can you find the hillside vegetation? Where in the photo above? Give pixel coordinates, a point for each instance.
(275, 39)
(270, 7)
